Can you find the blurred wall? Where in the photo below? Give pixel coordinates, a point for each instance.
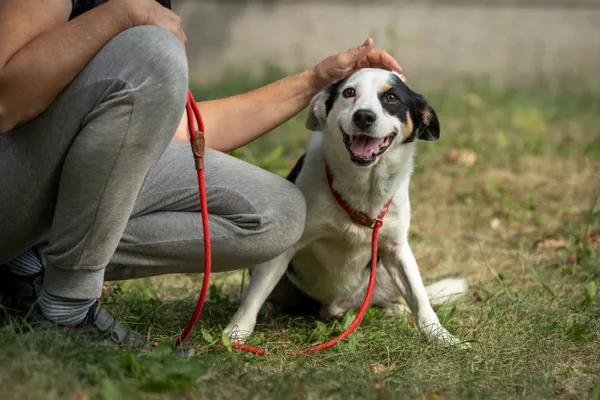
(434, 41)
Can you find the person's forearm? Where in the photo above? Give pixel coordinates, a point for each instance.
(37, 73)
(235, 121)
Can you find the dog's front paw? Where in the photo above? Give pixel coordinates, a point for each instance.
(240, 331)
(438, 334)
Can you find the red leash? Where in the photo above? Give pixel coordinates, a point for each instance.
(197, 142)
(369, 222)
(198, 147)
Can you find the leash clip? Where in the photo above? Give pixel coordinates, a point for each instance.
(198, 150)
(365, 220)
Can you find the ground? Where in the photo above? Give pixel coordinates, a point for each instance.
(509, 198)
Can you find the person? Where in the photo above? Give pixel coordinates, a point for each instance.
(96, 184)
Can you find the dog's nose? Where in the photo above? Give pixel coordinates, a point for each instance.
(364, 118)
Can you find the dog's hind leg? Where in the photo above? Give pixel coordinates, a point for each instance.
(446, 290)
(262, 282)
(335, 310)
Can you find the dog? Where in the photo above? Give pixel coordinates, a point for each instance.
(365, 129)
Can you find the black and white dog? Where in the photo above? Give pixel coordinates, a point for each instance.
(365, 131)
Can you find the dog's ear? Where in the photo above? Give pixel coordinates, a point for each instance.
(317, 114)
(428, 125)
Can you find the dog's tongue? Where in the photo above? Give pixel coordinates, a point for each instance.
(365, 146)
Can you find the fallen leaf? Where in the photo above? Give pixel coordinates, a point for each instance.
(495, 224)
(464, 157)
(474, 101)
(378, 368)
(434, 395)
(452, 156)
(558, 390)
(590, 237)
(44, 360)
(467, 157)
(551, 243)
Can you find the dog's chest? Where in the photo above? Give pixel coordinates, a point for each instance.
(335, 266)
(331, 269)
(331, 262)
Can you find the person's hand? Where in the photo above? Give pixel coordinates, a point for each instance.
(150, 12)
(340, 65)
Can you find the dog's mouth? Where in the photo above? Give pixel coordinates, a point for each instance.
(365, 149)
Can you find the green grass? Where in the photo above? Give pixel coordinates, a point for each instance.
(518, 221)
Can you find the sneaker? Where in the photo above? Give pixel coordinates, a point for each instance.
(100, 326)
(18, 294)
(18, 299)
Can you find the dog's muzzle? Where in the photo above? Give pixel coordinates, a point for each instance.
(364, 149)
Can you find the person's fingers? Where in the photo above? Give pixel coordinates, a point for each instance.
(378, 65)
(364, 48)
(380, 57)
(353, 55)
(183, 37)
(366, 64)
(362, 63)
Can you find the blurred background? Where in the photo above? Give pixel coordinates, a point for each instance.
(436, 41)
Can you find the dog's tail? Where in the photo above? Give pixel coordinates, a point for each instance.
(446, 290)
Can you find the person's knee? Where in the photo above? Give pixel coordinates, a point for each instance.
(285, 217)
(154, 64)
(161, 60)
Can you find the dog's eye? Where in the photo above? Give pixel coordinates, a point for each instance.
(347, 93)
(391, 98)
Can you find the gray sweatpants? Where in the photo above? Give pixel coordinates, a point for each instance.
(97, 182)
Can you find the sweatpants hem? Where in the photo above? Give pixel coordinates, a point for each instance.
(73, 284)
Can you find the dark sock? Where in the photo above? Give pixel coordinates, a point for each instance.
(64, 311)
(28, 263)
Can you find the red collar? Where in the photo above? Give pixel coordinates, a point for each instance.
(357, 216)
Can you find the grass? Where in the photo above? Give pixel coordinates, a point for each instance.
(510, 198)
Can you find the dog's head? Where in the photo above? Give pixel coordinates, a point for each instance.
(372, 112)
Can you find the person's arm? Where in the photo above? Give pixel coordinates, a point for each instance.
(235, 121)
(41, 53)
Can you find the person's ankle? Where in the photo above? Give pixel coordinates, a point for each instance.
(26, 264)
(62, 311)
